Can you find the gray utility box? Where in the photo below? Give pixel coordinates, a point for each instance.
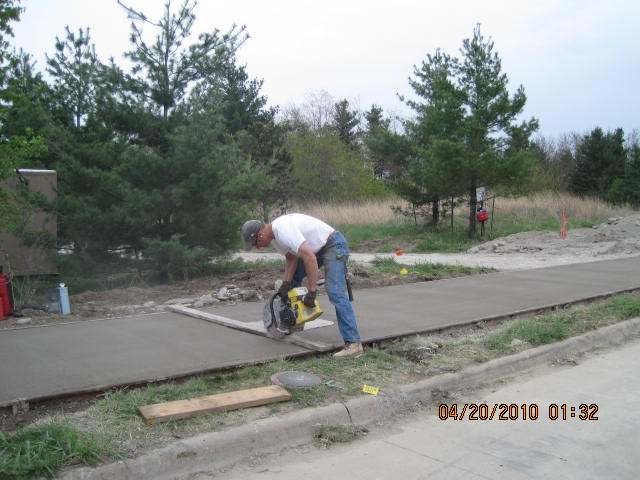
(37, 258)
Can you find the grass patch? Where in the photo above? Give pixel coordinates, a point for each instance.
(553, 327)
(327, 435)
(117, 412)
(538, 331)
(374, 366)
(43, 450)
(429, 271)
(385, 235)
(442, 239)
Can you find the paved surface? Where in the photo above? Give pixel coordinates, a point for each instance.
(40, 362)
(60, 359)
(428, 448)
(404, 309)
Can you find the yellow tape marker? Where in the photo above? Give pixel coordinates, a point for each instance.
(370, 390)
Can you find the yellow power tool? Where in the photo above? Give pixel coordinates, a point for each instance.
(282, 317)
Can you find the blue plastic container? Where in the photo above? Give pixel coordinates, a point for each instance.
(63, 296)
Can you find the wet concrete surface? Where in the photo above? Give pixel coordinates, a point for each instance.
(54, 360)
(404, 309)
(61, 359)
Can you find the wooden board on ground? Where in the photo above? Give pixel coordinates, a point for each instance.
(255, 327)
(253, 397)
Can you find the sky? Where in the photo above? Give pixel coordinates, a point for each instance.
(579, 61)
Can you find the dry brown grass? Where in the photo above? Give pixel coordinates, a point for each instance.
(547, 204)
(374, 212)
(535, 206)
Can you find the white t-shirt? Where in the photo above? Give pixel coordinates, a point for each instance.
(291, 230)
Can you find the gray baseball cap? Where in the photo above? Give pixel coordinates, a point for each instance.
(250, 231)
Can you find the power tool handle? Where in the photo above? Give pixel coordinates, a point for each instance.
(349, 290)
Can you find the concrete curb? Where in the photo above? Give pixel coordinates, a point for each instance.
(218, 449)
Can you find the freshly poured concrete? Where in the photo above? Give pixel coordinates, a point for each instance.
(404, 309)
(41, 362)
(55, 360)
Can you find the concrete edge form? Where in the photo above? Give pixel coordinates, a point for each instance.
(215, 450)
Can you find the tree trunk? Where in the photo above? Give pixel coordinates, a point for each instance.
(435, 212)
(472, 211)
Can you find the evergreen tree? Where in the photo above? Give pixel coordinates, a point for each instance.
(380, 143)
(19, 147)
(74, 69)
(165, 69)
(345, 123)
(600, 160)
(247, 118)
(178, 99)
(465, 134)
(10, 11)
(631, 185)
(376, 120)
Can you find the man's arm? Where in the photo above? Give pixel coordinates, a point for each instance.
(310, 266)
(291, 262)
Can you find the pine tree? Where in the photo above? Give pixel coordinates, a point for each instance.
(631, 185)
(465, 134)
(243, 109)
(381, 150)
(375, 119)
(345, 123)
(164, 70)
(19, 147)
(600, 159)
(193, 131)
(10, 11)
(75, 68)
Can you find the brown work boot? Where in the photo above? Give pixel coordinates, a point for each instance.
(350, 350)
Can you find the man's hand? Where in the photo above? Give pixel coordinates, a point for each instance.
(283, 291)
(309, 299)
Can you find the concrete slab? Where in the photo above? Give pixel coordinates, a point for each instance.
(40, 362)
(401, 310)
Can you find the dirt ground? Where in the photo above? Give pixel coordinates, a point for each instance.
(616, 237)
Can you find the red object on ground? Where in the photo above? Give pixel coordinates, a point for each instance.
(399, 251)
(5, 300)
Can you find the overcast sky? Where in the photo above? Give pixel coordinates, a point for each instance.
(579, 61)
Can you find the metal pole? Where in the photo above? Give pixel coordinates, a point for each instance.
(493, 207)
(452, 205)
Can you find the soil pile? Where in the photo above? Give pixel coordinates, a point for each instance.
(618, 235)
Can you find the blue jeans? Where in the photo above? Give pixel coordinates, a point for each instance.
(334, 256)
